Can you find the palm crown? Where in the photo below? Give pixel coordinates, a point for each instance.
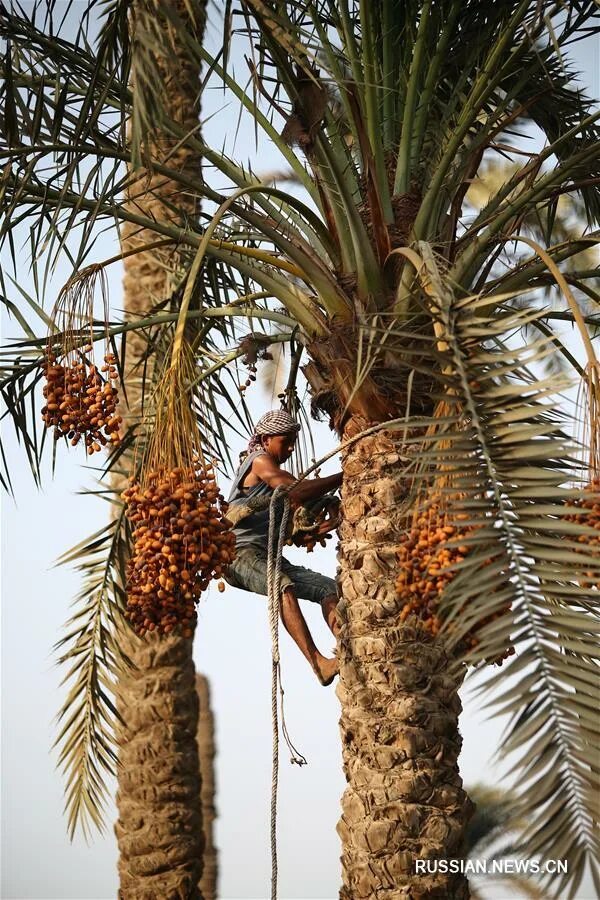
(411, 304)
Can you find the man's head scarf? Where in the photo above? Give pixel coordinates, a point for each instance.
(278, 421)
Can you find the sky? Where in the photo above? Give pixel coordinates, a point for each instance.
(232, 648)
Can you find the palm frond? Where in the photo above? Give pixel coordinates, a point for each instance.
(92, 654)
(215, 333)
(506, 457)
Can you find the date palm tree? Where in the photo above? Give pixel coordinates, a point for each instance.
(468, 505)
(158, 767)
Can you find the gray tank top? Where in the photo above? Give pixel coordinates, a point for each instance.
(253, 530)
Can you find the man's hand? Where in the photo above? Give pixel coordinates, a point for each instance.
(330, 522)
(319, 534)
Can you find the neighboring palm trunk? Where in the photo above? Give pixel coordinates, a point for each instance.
(399, 724)
(151, 276)
(206, 754)
(160, 825)
(159, 830)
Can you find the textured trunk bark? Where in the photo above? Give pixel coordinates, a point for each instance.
(159, 829)
(399, 723)
(206, 754)
(150, 276)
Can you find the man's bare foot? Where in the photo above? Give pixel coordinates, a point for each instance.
(326, 669)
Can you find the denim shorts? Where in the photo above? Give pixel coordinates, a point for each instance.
(249, 572)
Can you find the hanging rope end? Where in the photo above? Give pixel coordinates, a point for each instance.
(298, 760)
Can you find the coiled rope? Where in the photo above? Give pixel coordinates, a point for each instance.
(274, 555)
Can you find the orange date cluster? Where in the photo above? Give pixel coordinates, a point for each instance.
(81, 402)
(181, 542)
(428, 557)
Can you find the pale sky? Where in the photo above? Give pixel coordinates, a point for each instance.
(232, 648)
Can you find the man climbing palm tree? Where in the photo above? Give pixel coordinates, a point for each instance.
(257, 477)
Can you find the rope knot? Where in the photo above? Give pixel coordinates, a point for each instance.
(299, 761)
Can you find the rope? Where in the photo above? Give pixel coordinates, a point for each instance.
(273, 585)
(274, 556)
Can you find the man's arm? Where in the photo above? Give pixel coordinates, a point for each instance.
(309, 489)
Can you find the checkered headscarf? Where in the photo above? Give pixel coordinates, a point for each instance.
(278, 421)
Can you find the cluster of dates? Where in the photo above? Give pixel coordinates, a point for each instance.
(81, 401)
(428, 557)
(181, 542)
(588, 514)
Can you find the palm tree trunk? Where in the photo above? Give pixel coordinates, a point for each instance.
(159, 830)
(400, 706)
(151, 276)
(206, 755)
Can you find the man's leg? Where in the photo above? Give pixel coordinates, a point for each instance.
(295, 624)
(328, 608)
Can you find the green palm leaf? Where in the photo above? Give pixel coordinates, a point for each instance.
(90, 650)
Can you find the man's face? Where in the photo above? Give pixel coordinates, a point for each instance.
(280, 446)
